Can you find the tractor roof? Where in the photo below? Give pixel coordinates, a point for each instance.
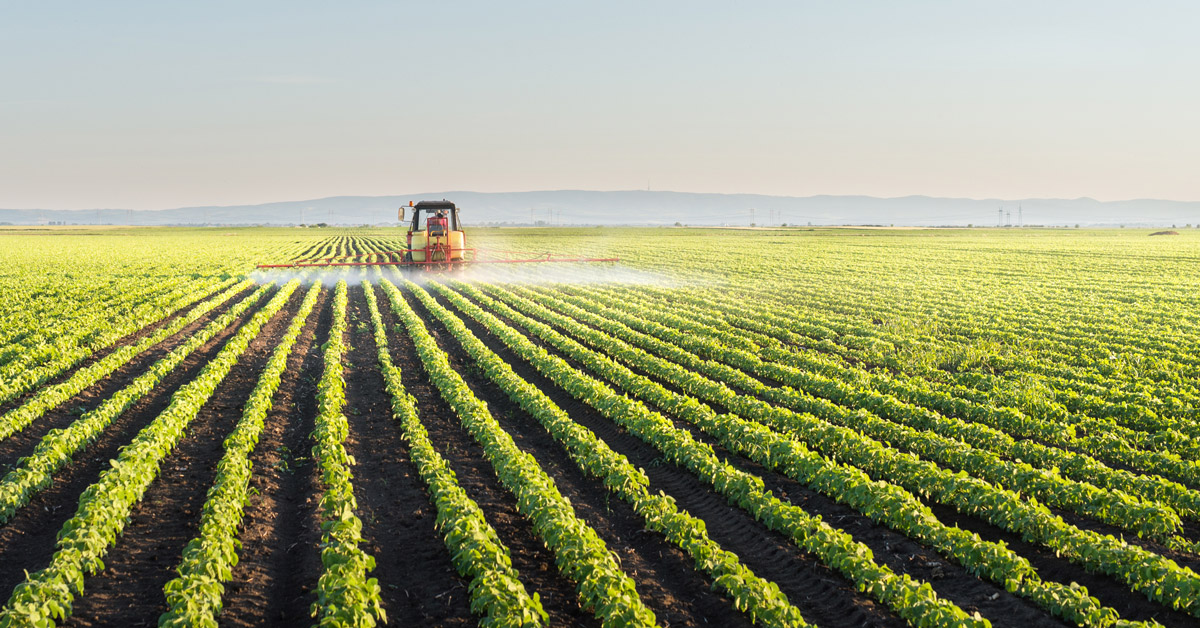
(434, 205)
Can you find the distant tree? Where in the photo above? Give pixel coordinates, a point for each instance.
(1076, 225)
(678, 224)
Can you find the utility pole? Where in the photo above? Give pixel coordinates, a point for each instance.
(1000, 216)
(1008, 218)
(751, 216)
(1020, 217)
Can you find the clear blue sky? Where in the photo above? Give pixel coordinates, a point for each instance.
(163, 104)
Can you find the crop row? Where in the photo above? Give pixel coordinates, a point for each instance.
(50, 397)
(882, 502)
(194, 597)
(945, 441)
(761, 599)
(911, 599)
(475, 549)
(25, 377)
(80, 314)
(1168, 451)
(47, 594)
(1157, 577)
(35, 472)
(580, 553)
(345, 595)
(1118, 387)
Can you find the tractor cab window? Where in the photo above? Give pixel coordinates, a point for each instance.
(437, 224)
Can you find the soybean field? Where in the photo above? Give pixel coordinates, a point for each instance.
(729, 427)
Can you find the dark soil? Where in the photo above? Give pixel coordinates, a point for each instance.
(28, 540)
(822, 595)
(532, 560)
(420, 586)
(1109, 591)
(279, 564)
(22, 443)
(667, 582)
(280, 561)
(129, 590)
(907, 556)
(900, 553)
(129, 339)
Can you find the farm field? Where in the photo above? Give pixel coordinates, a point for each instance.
(827, 427)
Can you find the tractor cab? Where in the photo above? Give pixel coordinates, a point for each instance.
(440, 238)
(438, 244)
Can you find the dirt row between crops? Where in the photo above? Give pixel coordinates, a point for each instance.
(665, 578)
(530, 557)
(274, 584)
(27, 540)
(823, 596)
(904, 555)
(130, 589)
(130, 339)
(420, 586)
(22, 443)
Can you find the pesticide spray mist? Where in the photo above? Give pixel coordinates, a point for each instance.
(530, 274)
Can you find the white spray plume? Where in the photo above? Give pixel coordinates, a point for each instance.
(533, 273)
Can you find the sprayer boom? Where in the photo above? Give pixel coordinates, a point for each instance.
(437, 244)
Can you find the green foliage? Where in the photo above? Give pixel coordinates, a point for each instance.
(345, 595)
(761, 599)
(194, 597)
(58, 447)
(475, 548)
(47, 594)
(911, 599)
(580, 553)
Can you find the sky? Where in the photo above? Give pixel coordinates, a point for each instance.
(149, 105)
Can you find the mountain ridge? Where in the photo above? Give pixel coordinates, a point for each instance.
(646, 207)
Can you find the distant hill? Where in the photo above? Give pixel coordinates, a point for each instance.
(637, 207)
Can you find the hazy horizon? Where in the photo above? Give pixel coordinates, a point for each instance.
(419, 196)
(149, 106)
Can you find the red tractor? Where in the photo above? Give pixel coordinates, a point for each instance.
(437, 244)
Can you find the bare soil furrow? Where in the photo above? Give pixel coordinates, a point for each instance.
(27, 541)
(822, 595)
(533, 561)
(420, 586)
(279, 563)
(667, 582)
(129, 590)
